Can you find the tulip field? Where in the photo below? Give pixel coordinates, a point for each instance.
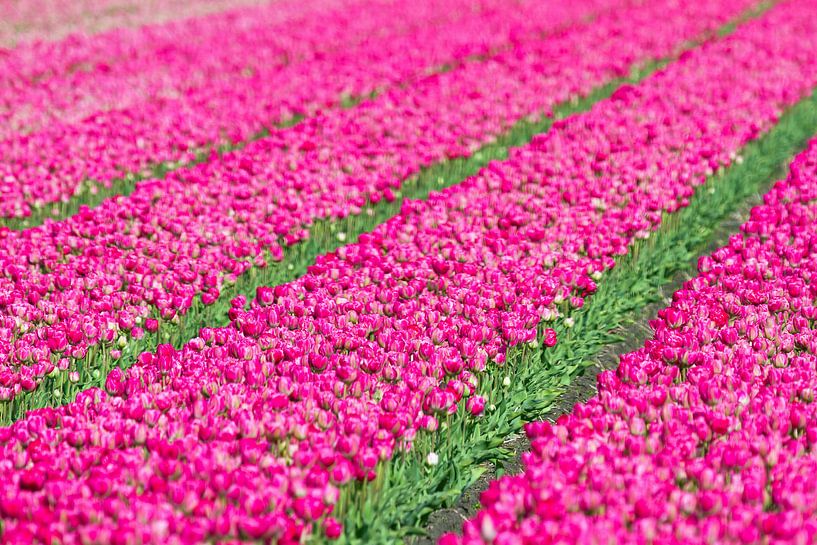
(451, 272)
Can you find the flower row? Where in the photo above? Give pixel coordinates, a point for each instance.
(251, 431)
(23, 21)
(109, 274)
(222, 80)
(706, 434)
(71, 80)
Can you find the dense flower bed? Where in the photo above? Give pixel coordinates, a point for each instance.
(108, 273)
(68, 81)
(707, 433)
(125, 102)
(251, 430)
(24, 21)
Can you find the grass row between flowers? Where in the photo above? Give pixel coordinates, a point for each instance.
(381, 512)
(325, 236)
